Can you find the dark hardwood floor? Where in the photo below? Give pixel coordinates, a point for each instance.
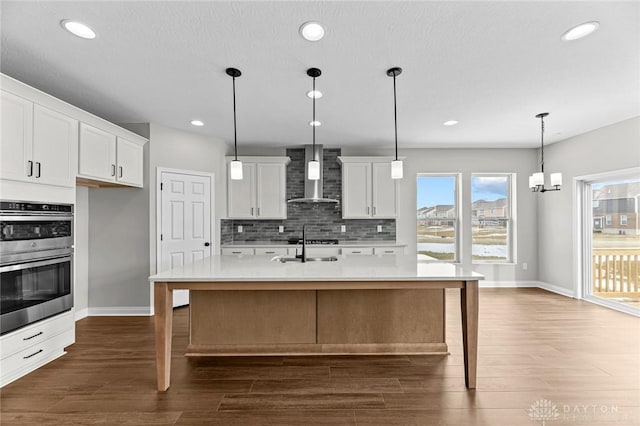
(533, 346)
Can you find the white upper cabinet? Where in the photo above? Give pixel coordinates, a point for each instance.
(130, 162)
(103, 156)
(261, 194)
(384, 191)
(241, 193)
(55, 146)
(38, 144)
(271, 191)
(367, 188)
(96, 154)
(17, 137)
(356, 190)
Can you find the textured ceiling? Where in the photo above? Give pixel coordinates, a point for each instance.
(490, 65)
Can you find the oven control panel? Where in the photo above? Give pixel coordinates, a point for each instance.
(22, 206)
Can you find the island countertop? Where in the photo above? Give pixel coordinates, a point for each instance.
(227, 268)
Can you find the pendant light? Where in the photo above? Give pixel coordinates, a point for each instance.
(313, 167)
(396, 165)
(235, 166)
(536, 180)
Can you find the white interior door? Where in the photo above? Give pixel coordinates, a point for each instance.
(186, 206)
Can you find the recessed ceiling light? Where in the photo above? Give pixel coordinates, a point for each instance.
(315, 123)
(450, 123)
(78, 29)
(197, 123)
(580, 31)
(314, 94)
(311, 31)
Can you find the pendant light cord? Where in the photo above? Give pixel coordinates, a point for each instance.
(235, 134)
(542, 144)
(314, 119)
(395, 114)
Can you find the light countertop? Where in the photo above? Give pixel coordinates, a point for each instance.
(348, 268)
(260, 244)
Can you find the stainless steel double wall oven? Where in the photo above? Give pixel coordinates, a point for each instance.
(36, 262)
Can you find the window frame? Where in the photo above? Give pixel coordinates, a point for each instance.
(623, 223)
(457, 255)
(608, 220)
(510, 213)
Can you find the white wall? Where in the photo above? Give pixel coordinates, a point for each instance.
(467, 161)
(610, 148)
(176, 149)
(81, 252)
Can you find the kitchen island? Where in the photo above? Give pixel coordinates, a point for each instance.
(252, 305)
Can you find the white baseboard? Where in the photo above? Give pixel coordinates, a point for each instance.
(528, 284)
(81, 313)
(507, 284)
(556, 289)
(125, 311)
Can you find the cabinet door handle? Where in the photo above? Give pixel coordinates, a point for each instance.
(374, 210)
(120, 168)
(35, 335)
(39, 166)
(30, 168)
(33, 354)
(258, 209)
(367, 209)
(251, 211)
(113, 170)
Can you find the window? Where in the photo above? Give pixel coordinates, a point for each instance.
(491, 218)
(623, 219)
(607, 220)
(437, 217)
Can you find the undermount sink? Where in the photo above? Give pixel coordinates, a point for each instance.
(309, 259)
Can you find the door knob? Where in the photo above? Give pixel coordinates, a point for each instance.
(207, 244)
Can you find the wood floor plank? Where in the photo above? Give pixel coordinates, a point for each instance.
(327, 401)
(533, 345)
(269, 418)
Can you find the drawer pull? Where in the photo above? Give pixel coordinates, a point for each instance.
(388, 251)
(236, 252)
(35, 335)
(33, 354)
(269, 252)
(356, 251)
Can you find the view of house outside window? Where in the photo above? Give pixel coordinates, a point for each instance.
(491, 218)
(437, 217)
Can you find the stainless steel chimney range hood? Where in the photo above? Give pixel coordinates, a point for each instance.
(313, 188)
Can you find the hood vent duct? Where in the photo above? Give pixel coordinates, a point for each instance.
(313, 188)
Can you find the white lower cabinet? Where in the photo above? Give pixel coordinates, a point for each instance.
(30, 347)
(273, 251)
(238, 251)
(357, 251)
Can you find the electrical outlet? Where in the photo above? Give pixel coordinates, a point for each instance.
(525, 266)
(379, 228)
(240, 228)
(280, 228)
(343, 228)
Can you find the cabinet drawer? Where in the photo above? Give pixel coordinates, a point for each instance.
(245, 251)
(388, 250)
(34, 356)
(273, 251)
(35, 334)
(321, 251)
(357, 250)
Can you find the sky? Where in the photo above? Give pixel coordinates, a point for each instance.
(437, 190)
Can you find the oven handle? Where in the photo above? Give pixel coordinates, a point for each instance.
(36, 264)
(34, 218)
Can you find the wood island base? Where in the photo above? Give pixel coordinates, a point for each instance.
(315, 318)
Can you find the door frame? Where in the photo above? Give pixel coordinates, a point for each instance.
(214, 243)
(583, 221)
